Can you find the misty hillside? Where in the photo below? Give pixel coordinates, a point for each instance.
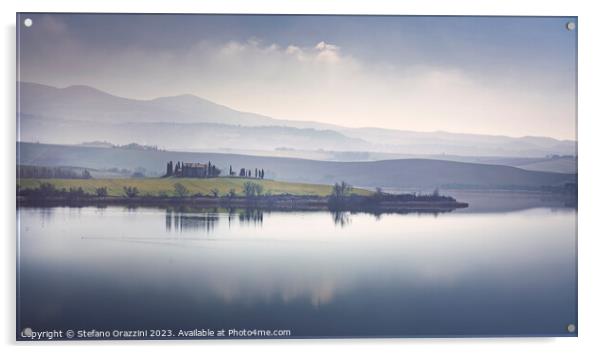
(404, 173)
(185, 136)
(80, 113)
(464, 144)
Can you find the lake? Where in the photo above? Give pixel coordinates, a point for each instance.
(510, 271)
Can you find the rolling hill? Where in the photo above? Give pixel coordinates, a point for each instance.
(398, 173)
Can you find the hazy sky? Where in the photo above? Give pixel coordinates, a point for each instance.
(507, 76)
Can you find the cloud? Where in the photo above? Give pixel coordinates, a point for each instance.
(253, 48)
(320, 82)
(327, 52)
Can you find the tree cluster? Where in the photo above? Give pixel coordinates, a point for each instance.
(181, 190)
(181, 169)
(248, 173)
(252, 189)
(49, 190)
(130, 192)
(136, 146)
(24, 171)
(340, 190)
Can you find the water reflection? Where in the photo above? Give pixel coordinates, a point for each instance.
(317, 273)
(344, 218)
(341, 218)
(208, 219)
(177, 221)
(251, 217)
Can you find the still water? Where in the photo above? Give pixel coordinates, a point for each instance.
(313, 273)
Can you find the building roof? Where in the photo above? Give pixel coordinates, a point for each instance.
(194, 165)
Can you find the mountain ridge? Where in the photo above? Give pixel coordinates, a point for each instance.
(195, 97)
(88, 104)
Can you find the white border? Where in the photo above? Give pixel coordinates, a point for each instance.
(590, 250)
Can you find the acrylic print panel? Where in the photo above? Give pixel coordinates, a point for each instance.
(238, 176)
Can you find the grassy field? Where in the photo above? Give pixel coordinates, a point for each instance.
(165, 186)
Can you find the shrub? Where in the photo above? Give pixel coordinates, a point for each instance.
(181, 190)
(76, 192)
(340, 190)
(102, 192)
(258, 189)
(130, 192)
(252, 189)
(47, 189)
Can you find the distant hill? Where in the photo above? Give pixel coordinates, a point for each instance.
(560, 164)
(184, 136)
(84, 103)
(400, 173)
(76, 114)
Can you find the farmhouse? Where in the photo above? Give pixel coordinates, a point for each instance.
(192, 169)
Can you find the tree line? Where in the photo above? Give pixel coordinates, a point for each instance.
(48, 190)
(248, 173)
(184, 169)
(25, 171)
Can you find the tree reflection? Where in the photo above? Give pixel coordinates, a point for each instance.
(250, 216)
(344, 218)
(178, 221)
(341, 218)
(182, 219)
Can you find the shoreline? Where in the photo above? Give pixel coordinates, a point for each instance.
(284, 202)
